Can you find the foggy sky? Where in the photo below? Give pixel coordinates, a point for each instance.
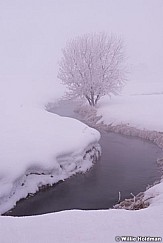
(33, 32)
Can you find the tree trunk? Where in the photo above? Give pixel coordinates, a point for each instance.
(91, 100)
(97, 98)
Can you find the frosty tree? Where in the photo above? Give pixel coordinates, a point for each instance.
(93, 66)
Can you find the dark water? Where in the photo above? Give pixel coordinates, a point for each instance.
(126, 165)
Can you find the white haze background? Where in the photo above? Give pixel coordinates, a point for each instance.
(33, 32)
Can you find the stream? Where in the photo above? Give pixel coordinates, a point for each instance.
(127, 165)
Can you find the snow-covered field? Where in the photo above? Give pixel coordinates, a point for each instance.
(33, 140)
(37, 147)
(82, 226)
(102, 225)
(139, 107)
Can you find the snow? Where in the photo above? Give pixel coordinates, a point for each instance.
(102, 225)
(140, 111)
(139, 106)
(35, 141)
(32, 34)
(82, 226)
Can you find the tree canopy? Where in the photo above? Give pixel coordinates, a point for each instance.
(92, 66)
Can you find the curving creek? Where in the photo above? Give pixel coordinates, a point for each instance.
(127, 165)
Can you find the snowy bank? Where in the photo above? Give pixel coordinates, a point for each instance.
(140, 111)
(138, 115)
(87, 226)
(40, 148)
(82, 226)
(32, 34)
(36, 147)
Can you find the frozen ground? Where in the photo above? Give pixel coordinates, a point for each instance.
(37, 147)
(140, 107)
(32, 34)
(82, 226)
(100, 226)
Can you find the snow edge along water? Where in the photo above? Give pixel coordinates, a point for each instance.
(90, 117)
(33, 180)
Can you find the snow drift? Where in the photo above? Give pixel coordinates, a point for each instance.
(41, 148)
